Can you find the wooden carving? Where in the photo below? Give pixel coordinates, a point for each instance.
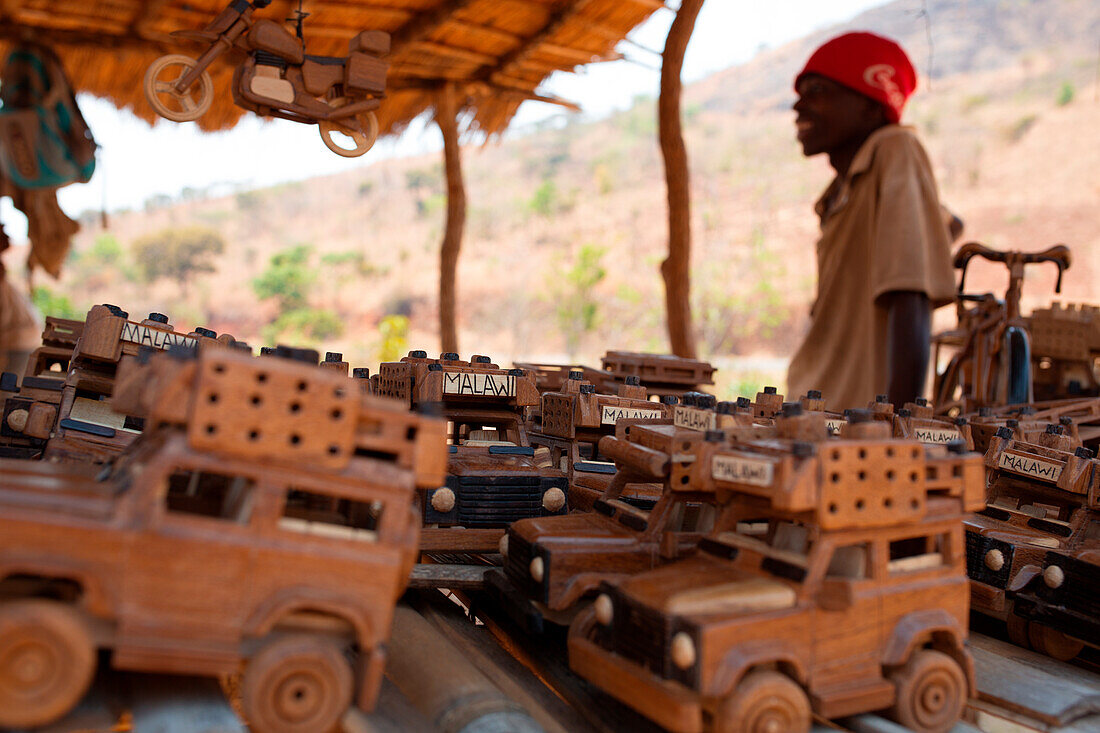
(87, 429)
(494, 474)
(30, 405)
(207, 558)
(660, 374)
(989, 362)
(277, 78)
(1065, 351)
(1043, 510)
(571, 422)
(814, 594)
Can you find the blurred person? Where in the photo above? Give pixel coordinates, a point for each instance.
(883, 259)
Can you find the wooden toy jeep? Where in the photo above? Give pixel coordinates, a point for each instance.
(493, 475)
(264, 522)
(917, 421)
(1043, 497)
(551, 563)
(1065, 351)
(1080, 418)
(663, 375)
(570, 424)
(834, 584)
(85, 428)
(1059, 602)
(30, 407)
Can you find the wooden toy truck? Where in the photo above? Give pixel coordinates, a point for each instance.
(86, 429)
(493, 478)
(663, 375)
(571, 423)
(1065, 351)
(552, 563)
(30, 407)
(263, 522)
(835, 584)
(1043, 498)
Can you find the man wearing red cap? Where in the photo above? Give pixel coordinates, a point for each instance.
(883, 260)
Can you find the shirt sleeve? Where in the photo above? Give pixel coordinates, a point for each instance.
(912, 246)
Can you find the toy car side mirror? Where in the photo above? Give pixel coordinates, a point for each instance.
(836, 594)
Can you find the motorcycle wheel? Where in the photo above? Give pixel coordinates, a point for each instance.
(363, 138)
(170, 104)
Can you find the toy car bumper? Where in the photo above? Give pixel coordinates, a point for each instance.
(666, 703)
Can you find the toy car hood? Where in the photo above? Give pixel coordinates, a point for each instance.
(573, 529)
(677, 589)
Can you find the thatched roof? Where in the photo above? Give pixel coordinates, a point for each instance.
(497, 51)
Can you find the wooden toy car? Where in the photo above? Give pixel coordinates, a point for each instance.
(30, 408)
(917, 421)
(551, 563)
(571, 423)
(263, 522)
(660, 374)
(835, 584)
(1079, 417)
(86, 428)
(1042, 497)
(493, 475)
(1065, 351)
(1058, 601)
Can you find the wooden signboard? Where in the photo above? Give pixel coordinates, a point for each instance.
(611, 414)
(478, 384)
(1030, 465)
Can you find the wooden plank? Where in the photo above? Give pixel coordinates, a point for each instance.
(1033, 685)
(455, 577)
(179, 704)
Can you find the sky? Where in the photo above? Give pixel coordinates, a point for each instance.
(137, 161)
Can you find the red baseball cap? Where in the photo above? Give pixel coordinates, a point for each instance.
(874, 66)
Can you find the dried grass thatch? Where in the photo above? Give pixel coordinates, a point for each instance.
(497, 52)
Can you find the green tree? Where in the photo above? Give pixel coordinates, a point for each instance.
(49, 303)
(177, 254)
(576, 307)
(288, 278)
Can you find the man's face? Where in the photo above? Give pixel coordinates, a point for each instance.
(832, 116)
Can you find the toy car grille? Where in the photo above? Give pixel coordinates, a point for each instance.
(497, 501)
(640, 634)
(519, 562)
(976, 548)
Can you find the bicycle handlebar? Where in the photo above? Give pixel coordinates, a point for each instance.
(1058, 255)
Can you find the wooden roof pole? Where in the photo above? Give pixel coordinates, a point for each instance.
(446, 116)
(676, 269)
(423, 25)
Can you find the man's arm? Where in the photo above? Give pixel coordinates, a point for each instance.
(908, 339)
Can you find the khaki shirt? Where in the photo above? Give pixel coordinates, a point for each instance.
(882, 230)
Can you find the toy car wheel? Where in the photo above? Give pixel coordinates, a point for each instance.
(47, 661)
(296, 684)
(363, 132)
(166, 101)
(1052, 642)
(931, 692)
(764, 702)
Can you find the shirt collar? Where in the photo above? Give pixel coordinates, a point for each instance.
(837, 192)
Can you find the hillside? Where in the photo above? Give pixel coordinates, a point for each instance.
(1009, 119)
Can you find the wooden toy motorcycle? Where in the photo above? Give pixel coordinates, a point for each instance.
(991, 361)
(277, 78)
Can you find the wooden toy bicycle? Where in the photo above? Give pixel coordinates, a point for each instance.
(991, 365)
(277, 78)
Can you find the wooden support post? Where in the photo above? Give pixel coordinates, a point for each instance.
(676, 268)
(446, 116)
